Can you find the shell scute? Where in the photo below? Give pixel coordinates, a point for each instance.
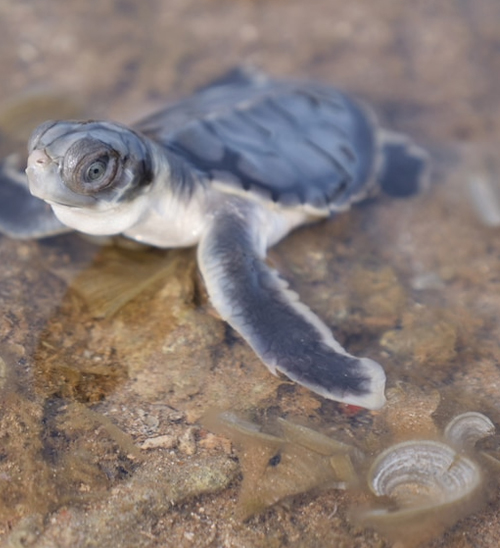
(298, 142)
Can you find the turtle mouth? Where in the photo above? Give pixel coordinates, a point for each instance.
(65, 204)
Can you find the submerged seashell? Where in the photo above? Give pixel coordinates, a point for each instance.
(421, 472)
(274, 467)
(313, 440)
(465, 430)
(431, 485)
(239, 430)
(425, 485)
(341, 454)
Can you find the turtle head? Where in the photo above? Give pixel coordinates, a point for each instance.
(91, 173)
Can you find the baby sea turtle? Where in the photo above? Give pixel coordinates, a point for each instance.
(233, 169)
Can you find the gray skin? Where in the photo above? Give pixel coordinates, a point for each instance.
(231, 169)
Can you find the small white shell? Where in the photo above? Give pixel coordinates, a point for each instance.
(465, 430)
(431, 487)
(423, 473)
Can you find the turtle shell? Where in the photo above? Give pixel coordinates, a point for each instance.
(293, 143)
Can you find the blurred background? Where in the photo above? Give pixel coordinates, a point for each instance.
(119, 57)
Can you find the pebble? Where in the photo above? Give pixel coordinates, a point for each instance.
(164, 442)
(187, 442)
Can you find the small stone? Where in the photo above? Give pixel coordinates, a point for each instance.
(164, 442)
(211, 442)
(176, 416)
(187, 442)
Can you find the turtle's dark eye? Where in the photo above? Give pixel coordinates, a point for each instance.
(97, 169)
(90, 166)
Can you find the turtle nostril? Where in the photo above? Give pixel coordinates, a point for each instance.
(38, 158)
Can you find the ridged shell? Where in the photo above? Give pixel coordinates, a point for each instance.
(431, 485)
(465, 430)
(423, 473)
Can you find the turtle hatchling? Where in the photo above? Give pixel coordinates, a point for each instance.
(232, 169)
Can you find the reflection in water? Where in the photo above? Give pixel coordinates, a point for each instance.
(119, 275)
(66, 364)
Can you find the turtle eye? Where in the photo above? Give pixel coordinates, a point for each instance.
(90, 166)
(97, 169)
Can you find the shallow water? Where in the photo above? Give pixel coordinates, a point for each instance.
(101, 402)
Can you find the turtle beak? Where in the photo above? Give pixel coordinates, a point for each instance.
(40, 170)
(45, 182)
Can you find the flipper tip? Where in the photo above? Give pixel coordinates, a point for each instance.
(359, 381)
(405, 170)
(374, 396)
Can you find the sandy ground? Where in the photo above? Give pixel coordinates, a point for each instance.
(104, 384)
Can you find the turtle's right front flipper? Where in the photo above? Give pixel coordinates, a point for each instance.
(21, 214)
(285, 333)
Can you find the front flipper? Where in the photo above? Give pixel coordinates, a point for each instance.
(284, 333)
(21, 214)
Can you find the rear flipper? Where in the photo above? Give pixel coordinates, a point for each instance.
(404, 170)
(21, 214)
(284, 333)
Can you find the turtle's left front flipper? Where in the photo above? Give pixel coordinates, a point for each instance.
(21, 214)
(285, 333)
